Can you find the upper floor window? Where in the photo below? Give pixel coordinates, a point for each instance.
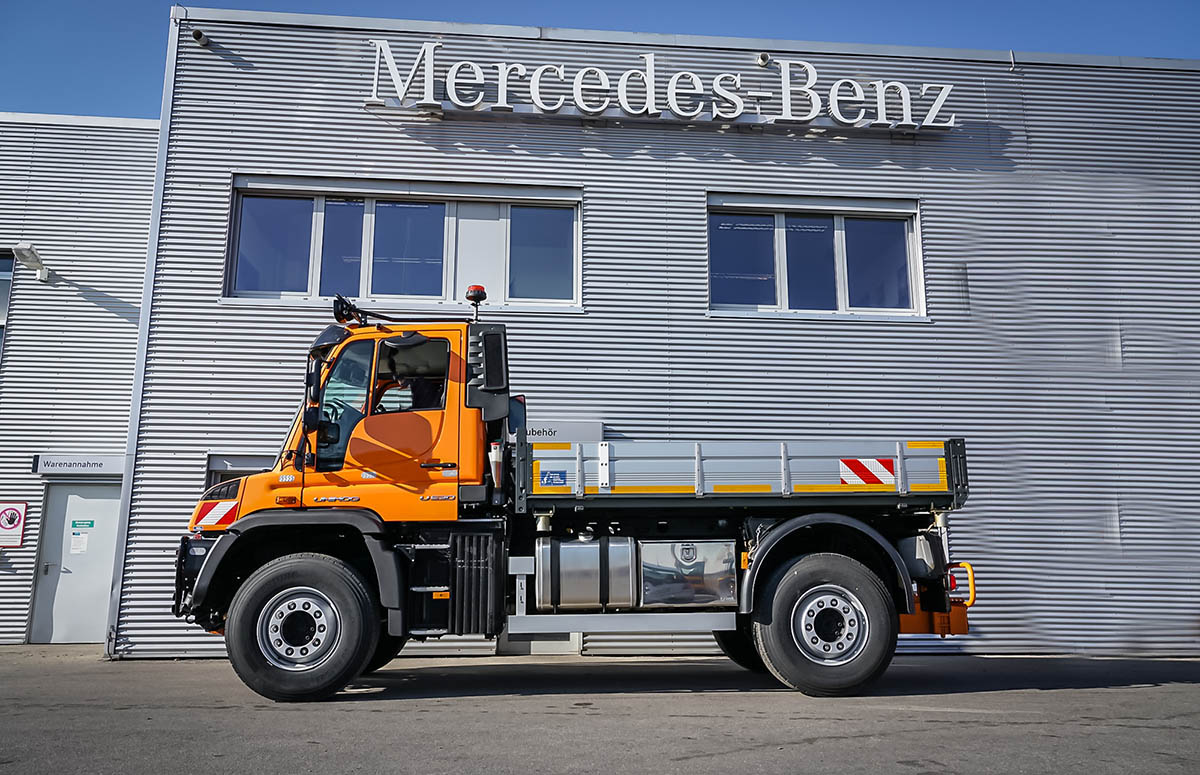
(810, 259)
(421, 250)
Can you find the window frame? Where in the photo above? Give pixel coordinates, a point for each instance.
(371, 193)
(576, 265)
(838, 209)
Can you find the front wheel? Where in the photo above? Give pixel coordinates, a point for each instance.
(301, 627)
(826, 625)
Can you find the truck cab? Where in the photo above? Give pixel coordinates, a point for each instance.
(407, 503)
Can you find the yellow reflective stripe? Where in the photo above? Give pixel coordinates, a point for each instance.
(548, 445)
(926, 444)
(843, 488)
(742, 488)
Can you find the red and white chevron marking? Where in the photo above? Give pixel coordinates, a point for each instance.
(217, 513)
(868, 470)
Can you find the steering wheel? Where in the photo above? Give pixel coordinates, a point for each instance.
(334, 408)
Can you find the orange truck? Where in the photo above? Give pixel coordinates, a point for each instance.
(407, 502)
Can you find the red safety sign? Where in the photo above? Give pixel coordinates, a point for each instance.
(868, 470)
(12, 524)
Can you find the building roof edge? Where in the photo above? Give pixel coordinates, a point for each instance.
(666, 39)
(65, 120)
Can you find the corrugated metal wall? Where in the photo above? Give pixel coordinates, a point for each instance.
(1060, 229)
(80, 191)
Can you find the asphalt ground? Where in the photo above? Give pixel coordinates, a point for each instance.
(64, 710)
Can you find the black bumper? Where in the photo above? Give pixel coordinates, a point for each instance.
(189, 559)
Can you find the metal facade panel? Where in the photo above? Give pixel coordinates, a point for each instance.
(79, 190)
(1058, 222)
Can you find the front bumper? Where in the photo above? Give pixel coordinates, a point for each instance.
(189, 560)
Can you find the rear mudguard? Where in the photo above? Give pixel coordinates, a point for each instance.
(902, 580)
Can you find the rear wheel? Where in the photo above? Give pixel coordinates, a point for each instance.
(385, 651)
(739, 646)
(301, 627)
(826, 625)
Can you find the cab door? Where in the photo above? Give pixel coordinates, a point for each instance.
(401, 455)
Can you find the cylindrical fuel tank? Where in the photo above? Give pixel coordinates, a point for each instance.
(587, 574)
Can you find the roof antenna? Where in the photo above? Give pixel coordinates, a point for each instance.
(476, 295)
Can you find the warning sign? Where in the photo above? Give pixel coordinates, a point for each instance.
(12, 524)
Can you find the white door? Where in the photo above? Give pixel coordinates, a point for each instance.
(78, 539)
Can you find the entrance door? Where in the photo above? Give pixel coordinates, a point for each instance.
(78, 541)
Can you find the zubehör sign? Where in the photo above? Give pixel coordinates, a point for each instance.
(592, 91)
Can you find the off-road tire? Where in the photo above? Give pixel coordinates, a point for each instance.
(796, 583)
(357, 627)
(739, 646)
(385, 651)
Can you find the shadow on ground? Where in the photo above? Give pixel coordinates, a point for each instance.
(908, 676)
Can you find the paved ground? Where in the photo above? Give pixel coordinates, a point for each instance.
(63, 710)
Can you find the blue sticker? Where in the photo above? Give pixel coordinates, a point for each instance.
(554, 478)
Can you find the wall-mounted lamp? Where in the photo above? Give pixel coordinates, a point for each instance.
(763, 59)
(200, 37)
(27, 254)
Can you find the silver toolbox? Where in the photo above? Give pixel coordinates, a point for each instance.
(578, 568)
(687, 574)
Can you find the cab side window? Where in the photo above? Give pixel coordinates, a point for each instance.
(343, 402)
(411, 377)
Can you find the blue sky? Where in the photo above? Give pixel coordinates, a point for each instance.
(105, 57)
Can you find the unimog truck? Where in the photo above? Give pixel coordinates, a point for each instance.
(408, 503)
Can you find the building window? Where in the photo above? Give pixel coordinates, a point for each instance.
(409, 249)
(6, 278)
(274, 236)
(803, 260)
(223, 468)
(541, 243)
(418, 250)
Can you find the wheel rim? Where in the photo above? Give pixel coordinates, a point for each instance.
(298, 629)
(829, 625)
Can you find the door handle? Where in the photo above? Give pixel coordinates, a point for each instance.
(46, 566)
(439, 465)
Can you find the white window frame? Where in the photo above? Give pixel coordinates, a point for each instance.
(839, 209)
(372, 192)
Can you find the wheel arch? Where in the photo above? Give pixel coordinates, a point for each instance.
(819, 532)
(355, 536)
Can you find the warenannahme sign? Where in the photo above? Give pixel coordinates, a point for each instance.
(636, 92)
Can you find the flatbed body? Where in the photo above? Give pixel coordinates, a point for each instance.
(904, 474)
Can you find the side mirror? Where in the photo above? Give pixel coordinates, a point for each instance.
(328, 433)
(311, 420)
(312, 383)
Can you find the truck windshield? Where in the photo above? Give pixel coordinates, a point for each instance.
(343, 401)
